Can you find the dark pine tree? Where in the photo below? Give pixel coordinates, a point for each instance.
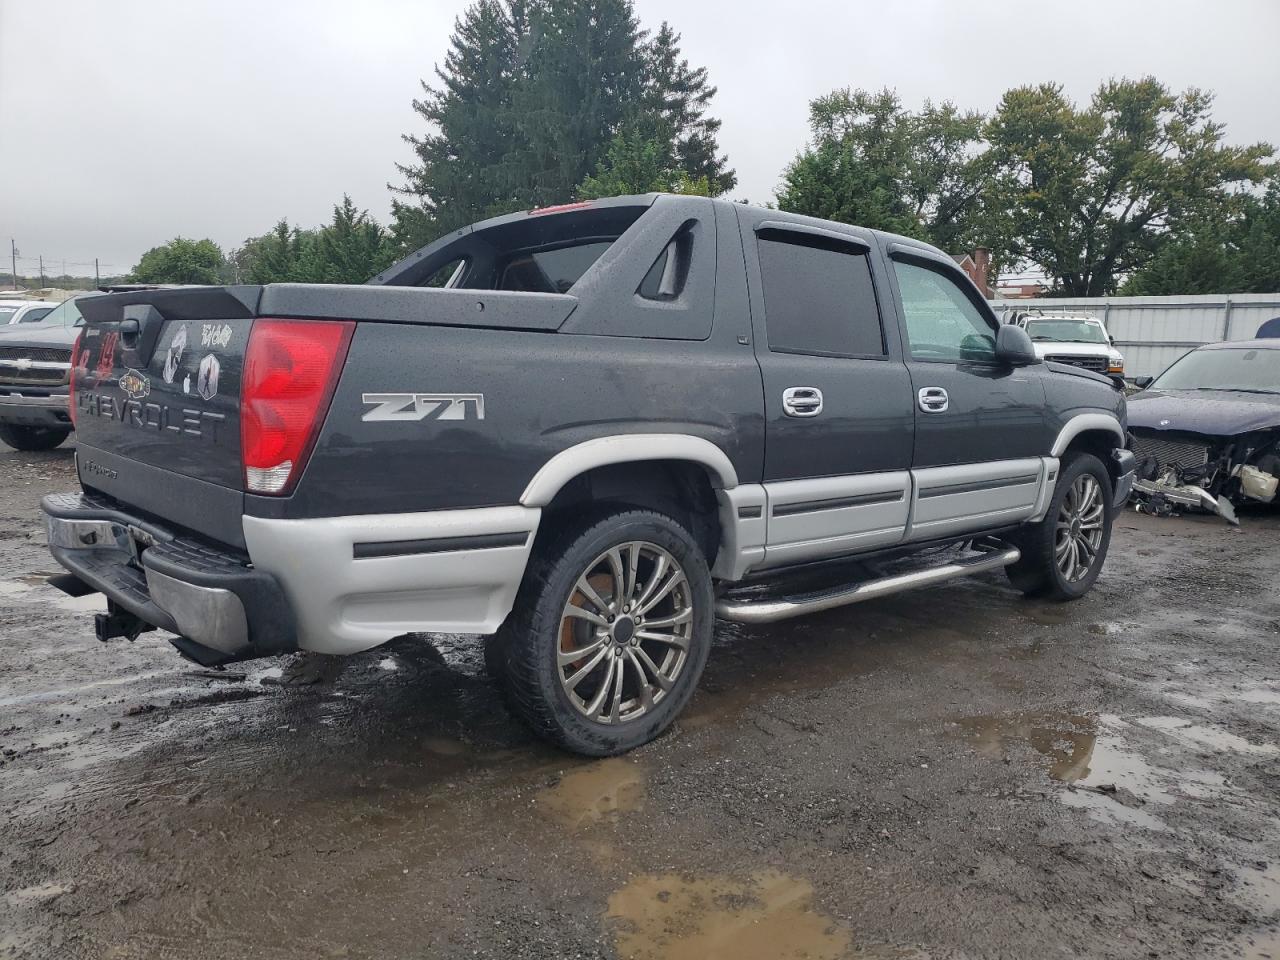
(468, 164)
(676, 100)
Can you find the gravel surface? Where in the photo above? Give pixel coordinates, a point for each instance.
(953, 773)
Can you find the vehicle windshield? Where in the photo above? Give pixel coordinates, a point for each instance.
(1249, 371)
(64, 314)
(1066, 331)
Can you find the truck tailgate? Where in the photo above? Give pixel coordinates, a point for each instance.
(157, 395)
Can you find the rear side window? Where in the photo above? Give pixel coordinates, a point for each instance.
(819, 298)
(35, 316)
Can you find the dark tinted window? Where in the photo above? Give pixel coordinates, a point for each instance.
(35, 316)
(818, 298)
(666, 278)
(550, 271)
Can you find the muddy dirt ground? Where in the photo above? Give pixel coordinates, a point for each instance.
(947, 774)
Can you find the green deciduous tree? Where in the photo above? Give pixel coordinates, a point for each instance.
(1233, 253)
(181, 261)
(1092, 193)
(872, 163)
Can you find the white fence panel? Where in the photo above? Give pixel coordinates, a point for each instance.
(1152, 332)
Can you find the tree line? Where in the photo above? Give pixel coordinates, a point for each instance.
(539, 102)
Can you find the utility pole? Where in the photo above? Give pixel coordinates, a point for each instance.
(13, 260)
(96, 281)
(42, 271)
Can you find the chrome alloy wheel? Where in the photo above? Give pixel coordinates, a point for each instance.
(625, 632)
(1080, 526)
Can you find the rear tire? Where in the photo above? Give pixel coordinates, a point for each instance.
(609, 633)
(1064, 553)
(32, 438)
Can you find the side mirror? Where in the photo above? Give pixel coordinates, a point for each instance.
(1143, 382)
(1014, 347)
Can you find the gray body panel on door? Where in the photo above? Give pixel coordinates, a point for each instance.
(836, 481)
(880, 465)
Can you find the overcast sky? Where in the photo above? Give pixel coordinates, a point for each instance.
(126, 123)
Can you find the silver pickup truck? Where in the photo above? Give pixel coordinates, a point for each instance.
(35, 364)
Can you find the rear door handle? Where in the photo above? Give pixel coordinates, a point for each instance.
(802, 401)
(933, 399)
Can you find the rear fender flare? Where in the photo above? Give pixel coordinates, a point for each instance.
(627, 448)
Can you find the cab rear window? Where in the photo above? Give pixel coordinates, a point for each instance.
(553, 270)
(534, 252)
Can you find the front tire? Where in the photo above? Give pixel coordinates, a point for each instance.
(32, 438)
(1064, 553)
(609, 633)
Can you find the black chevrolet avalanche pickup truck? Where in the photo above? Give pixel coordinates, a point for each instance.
(584, 432)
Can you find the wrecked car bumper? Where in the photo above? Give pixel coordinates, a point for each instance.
(1180, 470)
(1186, 496)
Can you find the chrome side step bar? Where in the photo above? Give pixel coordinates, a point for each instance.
(784, 608)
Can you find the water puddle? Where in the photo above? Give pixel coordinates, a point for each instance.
(68, 692)
(32, 588)
(445, 747)
(1260, 888)
(1053, 615)
(41, 893)
(1081, 750)
(767, 917)
(1262, 695)
(599, 791)
(1263, 945)
(1204, 736)
(1111, 811)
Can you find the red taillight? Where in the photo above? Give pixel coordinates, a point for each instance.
(290, 370)
(71, 376)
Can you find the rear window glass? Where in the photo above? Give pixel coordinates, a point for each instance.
(550, 271)
(6, 314)
(818, 299)
(534, 252)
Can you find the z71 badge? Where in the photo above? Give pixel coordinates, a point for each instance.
(423, 406)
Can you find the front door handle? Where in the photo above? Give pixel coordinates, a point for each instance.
(933, 399)
(802, 401)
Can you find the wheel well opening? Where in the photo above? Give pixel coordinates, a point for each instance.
(1100, 443)
(679, 489)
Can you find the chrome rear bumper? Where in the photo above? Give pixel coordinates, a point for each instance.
(212, 598)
